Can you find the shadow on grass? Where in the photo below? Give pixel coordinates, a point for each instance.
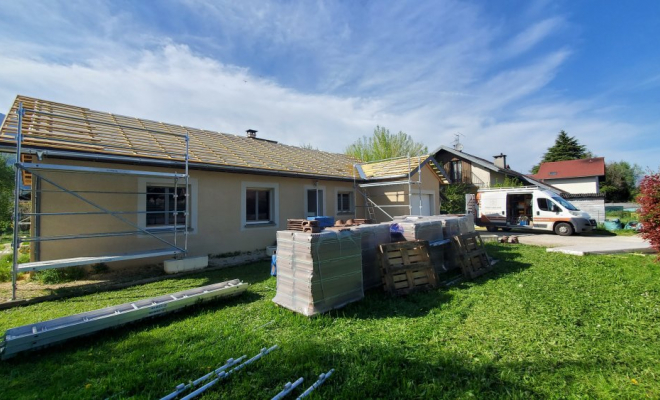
(251, 273)
(395, 370)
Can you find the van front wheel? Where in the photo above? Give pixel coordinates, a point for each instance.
(491, 228)
(564, 229)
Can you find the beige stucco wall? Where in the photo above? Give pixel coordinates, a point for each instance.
(216, 211)
(576, 185)
(398, 195)
(481, 174)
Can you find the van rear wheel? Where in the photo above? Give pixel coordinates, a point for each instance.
(491, 228)
(564, 229)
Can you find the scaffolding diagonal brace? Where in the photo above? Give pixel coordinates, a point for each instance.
(114, 214)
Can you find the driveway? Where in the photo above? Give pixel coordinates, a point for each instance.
(579, 244)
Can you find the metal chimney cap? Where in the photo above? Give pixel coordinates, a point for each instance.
(251, 133)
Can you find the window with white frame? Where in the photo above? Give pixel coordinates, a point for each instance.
(164, 205)
(344, 202)
(258, 205)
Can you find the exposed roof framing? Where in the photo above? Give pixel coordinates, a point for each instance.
(402, 167)
(50, 125)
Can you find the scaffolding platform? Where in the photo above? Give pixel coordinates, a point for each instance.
(78, 261)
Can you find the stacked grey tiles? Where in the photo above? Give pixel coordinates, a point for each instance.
(318, 272)
(373, 235)
(436, 228)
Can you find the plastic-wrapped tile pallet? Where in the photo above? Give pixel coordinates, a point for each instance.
(373, 235)
(416, 228)
(318, 272)
(451, 225)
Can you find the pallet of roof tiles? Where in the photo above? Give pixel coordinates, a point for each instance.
(318, 272)
(372, 236)
(471, 254)
(429, 229)
(406, 267)
(303, 225)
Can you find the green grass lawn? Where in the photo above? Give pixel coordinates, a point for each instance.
(542, 325)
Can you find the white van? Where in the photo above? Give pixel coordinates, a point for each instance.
(527, 208)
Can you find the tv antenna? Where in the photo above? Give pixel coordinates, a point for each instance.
(457, 141)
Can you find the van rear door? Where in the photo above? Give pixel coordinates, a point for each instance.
(492, 208)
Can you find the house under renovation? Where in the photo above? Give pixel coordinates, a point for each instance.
(106, 187)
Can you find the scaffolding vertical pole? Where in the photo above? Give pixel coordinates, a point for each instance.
(419, 183)
(187, 214)
(409, 186)
(175, 196)
(16, 242)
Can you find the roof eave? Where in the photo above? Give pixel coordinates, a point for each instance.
(72, 155)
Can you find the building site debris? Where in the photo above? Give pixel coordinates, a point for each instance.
(406, 267)
(352, 222)
(222, 374)
(303, 225)
(41, 334)
(182, 387)
(472, 255)
(318, 272)
(288, 388)
(319, 382)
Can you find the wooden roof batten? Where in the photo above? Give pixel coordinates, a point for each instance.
(63, 130)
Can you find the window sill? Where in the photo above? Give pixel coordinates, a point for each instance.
(259, 224)
(158, 229)
(345, 212)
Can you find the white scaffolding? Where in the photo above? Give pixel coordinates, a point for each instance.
(406, 181)
(171, 248)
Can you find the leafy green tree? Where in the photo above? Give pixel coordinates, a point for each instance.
(565, 148)
(6, 193)
(454, 197)
(384, 144)
(509, 181)
(620, 184)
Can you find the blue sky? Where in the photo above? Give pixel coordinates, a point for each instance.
(507, 75)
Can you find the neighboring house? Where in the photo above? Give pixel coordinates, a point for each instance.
(580, 179)
(125, 178)
(466, 168)
(573, 176)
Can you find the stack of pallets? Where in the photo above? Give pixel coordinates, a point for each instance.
(303, 225)
(406, 267)
(471, 254)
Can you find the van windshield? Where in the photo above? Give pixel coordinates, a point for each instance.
(564, 203)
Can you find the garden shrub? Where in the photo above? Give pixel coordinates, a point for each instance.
(649, 201)
(6, 263)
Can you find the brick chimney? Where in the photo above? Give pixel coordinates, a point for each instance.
(500, 161)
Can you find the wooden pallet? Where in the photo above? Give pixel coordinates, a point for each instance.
(303, 225)
(471, 254)
(406, 267)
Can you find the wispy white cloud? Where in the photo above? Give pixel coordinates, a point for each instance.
(318, 72)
